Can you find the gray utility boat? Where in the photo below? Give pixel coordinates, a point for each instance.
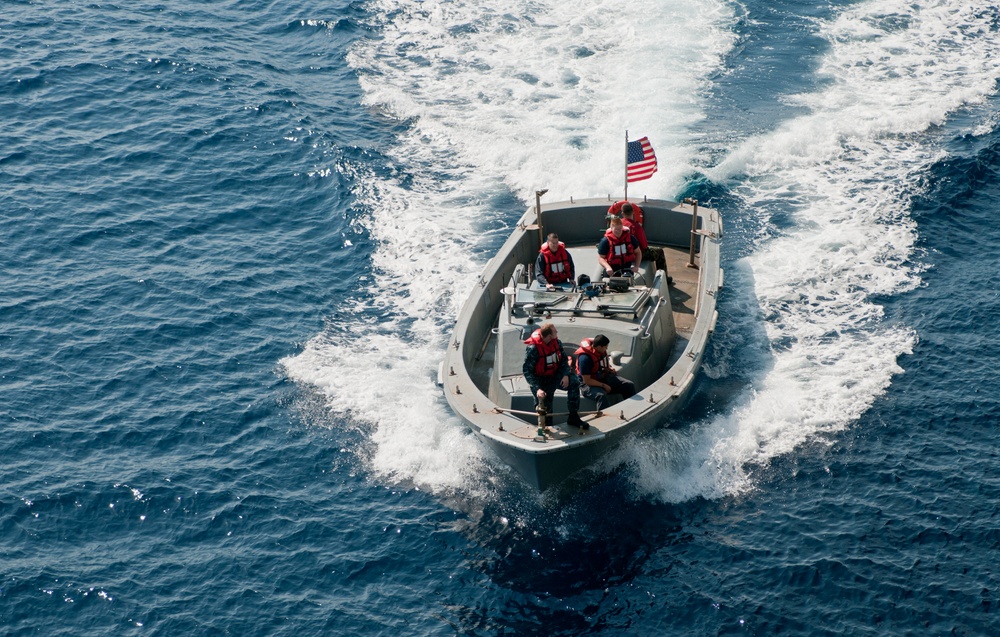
(658, 327)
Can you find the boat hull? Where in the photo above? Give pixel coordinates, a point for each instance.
(546, 467)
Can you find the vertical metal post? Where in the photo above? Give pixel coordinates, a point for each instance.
(538, 215)
(626, 166)
(694, 231)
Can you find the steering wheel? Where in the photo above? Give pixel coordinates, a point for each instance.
(627, 272)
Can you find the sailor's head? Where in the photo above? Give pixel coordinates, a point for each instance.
(548, 332)
(627, 210)
(553, 241)
(600, 344)
(616, 226)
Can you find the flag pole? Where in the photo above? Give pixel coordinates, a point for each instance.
(626, 165)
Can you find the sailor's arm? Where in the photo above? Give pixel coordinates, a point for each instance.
(528, 369)
(564, 369)
(602, 257)
(590, 381)
(540, 269)
(593, 382)
(638, 253)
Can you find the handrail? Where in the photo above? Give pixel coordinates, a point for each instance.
(653, 316)
(518, 412)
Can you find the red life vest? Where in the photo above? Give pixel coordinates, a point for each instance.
(622, 254)
(602, 366)
(549, 356)
(637, 232)
(616, 210)
(557, 266)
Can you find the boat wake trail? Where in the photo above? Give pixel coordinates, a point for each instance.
(498, 99)
(833, 189)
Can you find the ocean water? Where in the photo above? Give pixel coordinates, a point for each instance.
(235, 235)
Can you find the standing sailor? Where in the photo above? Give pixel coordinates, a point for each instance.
(546, 368)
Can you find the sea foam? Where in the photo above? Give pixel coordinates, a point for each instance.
(842, 179)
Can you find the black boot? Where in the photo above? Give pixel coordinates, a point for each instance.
(574, 420)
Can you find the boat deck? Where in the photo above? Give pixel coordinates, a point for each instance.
(682, 299)
(684, 289)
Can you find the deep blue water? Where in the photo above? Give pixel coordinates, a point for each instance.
(215, 426)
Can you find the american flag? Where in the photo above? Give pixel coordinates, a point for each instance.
(640, 160)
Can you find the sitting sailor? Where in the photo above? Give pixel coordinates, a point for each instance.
(632, 219)
(546, 368)
(618, 250)
(554, 265)
(598, 375)
(633, 225)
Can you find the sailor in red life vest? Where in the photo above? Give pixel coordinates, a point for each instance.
(616, 210)
(546, 368)
(629, 221)
(554, 264)
(597, 374)
(618, 250)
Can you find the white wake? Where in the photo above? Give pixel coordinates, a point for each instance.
(845, 174)
(508, 97)
(499, 97)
